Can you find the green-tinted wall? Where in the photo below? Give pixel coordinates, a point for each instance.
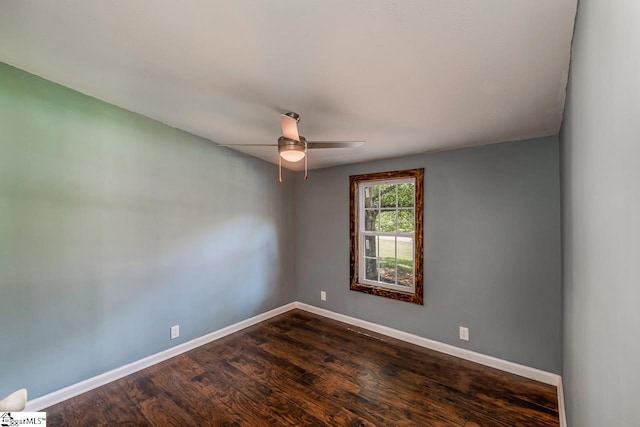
(113, 227)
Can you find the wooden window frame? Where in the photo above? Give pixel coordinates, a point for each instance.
(416, 294)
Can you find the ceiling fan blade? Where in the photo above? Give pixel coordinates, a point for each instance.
(247, 145)
(289, 127)
(334, 144)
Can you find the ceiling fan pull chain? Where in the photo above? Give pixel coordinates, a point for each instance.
(305, 160)
(279, 168)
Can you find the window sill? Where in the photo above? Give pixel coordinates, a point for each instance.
(409, 296)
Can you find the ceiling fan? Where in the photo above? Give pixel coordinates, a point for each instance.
(293, 147)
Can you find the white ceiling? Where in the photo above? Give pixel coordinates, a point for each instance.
(406, 76)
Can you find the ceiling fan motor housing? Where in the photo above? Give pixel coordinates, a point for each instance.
(287, 144)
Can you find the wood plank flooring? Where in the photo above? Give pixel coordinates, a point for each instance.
(299, 369)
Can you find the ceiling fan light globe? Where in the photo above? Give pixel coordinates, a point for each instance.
(292, 155)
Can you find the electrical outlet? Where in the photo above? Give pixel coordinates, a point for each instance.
(323, 296)
(464, 333)
(175, 332)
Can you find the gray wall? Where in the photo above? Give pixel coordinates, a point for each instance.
(601, 217)
(492, 249)
(113, 227)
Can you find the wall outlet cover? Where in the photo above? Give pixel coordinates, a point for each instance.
(175, 332)
(464, 333)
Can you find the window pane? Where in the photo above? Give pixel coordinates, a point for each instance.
(387, 221)
(406, 193)
(371, 197)
(387, 260)
(405, 261)
(371, 269)
(406, 220)
(387, 247)
(370, 246)
(387, 270)
(387, 195)
(370, 219)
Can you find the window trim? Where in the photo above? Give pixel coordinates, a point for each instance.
(355, 181)
(362, 233)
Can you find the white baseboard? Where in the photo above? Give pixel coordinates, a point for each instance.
(73, 390)
(483, 359)
(561, 409)
(76, 389)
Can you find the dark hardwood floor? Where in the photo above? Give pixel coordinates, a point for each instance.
(301, 369)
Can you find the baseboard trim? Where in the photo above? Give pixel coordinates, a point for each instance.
(483, 359)
(561, 409)
(73, 390)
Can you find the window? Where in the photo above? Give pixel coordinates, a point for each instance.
(386, 234)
